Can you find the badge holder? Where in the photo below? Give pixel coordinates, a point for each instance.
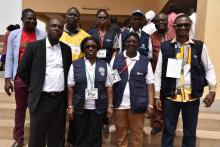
(114, 76)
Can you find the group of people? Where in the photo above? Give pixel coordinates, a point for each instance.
(9, 28)
(92, 77)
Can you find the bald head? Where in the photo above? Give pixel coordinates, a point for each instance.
(72, 18)
(71, 9)
(54, 30)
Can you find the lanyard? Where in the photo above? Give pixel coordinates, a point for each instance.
(181, 51)
(101, 39)
(91, 79)
(125, 67)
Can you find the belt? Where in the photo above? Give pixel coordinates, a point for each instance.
(53, 93)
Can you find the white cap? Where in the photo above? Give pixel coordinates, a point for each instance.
(137, 12)
(150, 15)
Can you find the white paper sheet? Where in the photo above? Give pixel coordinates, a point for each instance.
(174, 68)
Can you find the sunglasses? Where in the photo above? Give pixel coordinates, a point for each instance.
(186, 25)
(90, 46)
(102, 17)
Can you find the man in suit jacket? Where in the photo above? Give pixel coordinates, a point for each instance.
(44, 68)
(16, 45)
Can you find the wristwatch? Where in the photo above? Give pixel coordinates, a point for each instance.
(150, 106)
(110, 106)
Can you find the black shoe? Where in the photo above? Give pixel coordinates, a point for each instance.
(17, 144)
(155, 130)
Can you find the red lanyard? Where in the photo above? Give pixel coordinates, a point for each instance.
(125, 67)
(101, 39)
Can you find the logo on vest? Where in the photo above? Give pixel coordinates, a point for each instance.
(108, 40)
(139, 73)
(102, 71)
(143, 46)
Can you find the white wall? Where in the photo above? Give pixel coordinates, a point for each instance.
(10, 13)
(41, 25)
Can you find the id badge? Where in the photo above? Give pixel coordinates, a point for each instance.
(101, 53)
(114, 76)
(91, 94)
(174, 68)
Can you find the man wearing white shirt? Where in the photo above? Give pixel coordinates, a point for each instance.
(183, 93)
(44, 69)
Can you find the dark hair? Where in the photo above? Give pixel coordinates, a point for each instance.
(17, 26)
(172, 7)
(85, 40)
(25, 11)
(180, 16)
(101, 10)
(133, 34)
(11, 28)
(113, 19)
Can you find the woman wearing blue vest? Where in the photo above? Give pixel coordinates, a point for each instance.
(133, 94)
(105, 35)
(108, 41)
(89, 95)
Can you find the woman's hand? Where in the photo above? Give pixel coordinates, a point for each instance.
(110, 112)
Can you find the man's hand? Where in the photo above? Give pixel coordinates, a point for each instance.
(8, 87)
(70, 112)
(158, 103)
(109, 112)
(209, 99)
(149, 111)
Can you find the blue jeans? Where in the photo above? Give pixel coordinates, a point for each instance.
(190, 111)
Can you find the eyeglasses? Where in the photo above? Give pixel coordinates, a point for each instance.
(102, 17)
(186, 25)
(90, 46)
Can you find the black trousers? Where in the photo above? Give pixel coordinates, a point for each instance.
(190, 111)
(88, 128)
(47, 123)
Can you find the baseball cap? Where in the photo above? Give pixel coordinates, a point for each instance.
(138, 12)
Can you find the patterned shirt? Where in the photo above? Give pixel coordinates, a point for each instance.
(156, 39)
(183, 84)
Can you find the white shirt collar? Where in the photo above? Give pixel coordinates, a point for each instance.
(137, 57)
(48, 45)
(138, 31)
(87, 62)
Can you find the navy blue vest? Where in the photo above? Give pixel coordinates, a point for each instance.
(108, 41)
(144, 39)
(198, 79)
(137, 84)
(101, 103)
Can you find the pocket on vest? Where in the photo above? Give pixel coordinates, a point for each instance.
(78, 102)
(102, 102)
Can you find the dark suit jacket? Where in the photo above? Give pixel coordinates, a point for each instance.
(33, 67)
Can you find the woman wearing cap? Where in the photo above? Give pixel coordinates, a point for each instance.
(89, 95)
(133, 94)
